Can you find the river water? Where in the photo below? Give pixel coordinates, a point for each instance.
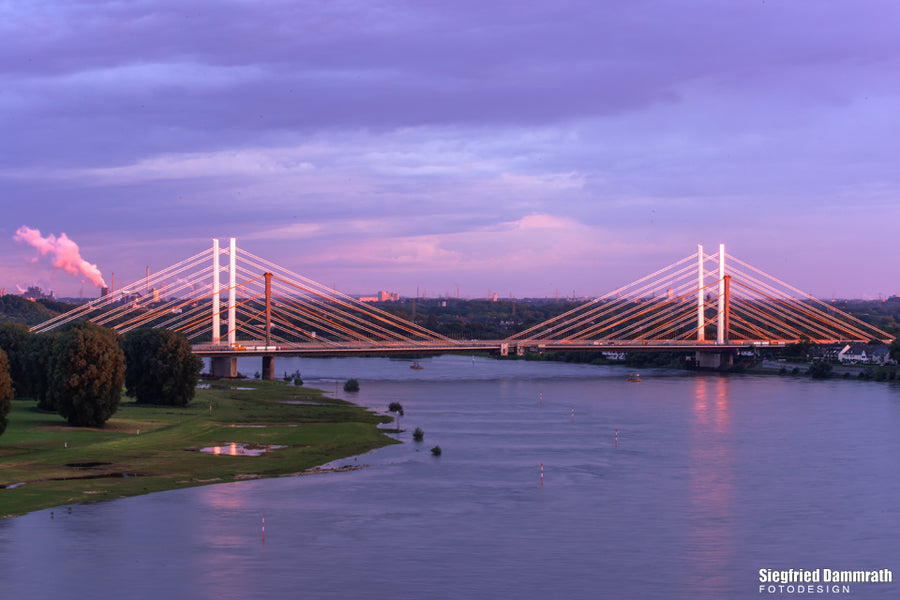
(681, 486)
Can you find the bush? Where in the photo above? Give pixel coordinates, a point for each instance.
(351, 385)
(6, 390)
(819, 369)
(87, 373)
(418, 434)
(160, 367)
(436, 450)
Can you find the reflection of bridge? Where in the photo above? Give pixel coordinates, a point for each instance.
(694, 304)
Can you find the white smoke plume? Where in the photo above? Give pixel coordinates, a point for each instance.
(65, 253)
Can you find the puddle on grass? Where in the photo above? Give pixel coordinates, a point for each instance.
(239, 449)
(262, 426)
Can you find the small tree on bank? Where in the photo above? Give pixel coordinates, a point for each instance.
(819, 369)
(87, 373)
(160, 367)
(396, 407)
(6, 391)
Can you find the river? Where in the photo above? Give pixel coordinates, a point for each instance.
(684, 485)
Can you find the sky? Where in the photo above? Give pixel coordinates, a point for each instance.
(521, 148)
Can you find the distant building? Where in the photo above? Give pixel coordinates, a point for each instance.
(381, 297)
(829, 352)
(35, 293)
(864, 353)
(881, 356)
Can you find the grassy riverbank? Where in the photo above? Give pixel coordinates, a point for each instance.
(158, 447)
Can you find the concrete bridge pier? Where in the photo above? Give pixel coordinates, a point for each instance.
(268, 367)
(223, 366)
(720, 359)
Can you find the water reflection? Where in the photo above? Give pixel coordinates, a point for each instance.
(240, 449)
(711, 467)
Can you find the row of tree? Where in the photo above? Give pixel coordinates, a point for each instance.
(79, 371)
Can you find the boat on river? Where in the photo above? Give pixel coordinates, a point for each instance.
(634, 377)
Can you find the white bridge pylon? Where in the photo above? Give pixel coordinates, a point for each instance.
(265, 303)
(690, 302)
(696, 300)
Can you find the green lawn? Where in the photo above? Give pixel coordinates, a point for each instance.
(158, 446)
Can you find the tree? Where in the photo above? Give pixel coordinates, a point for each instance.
(87, 372)
(351, 385)
(819, 369)
(13, 338)
(160, 367)
(396, 407)
(6, 390)
(894, 349)
(38, 361)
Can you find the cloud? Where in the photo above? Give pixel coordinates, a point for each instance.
(64, 252)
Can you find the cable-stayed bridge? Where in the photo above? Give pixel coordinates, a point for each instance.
(230, 303)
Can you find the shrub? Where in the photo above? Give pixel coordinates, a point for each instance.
(436, 450)
(351, 385)
(418, 434)
(819, 369)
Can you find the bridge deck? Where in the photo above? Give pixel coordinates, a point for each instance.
(474, 346)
